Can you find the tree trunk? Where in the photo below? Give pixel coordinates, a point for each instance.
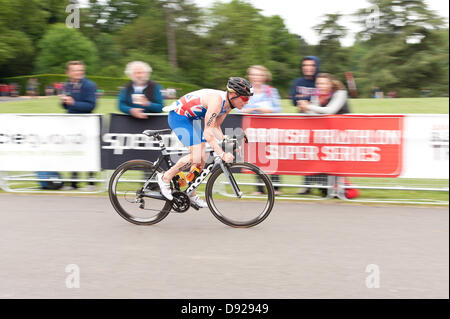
(171, 40)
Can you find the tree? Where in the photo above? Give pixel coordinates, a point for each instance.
(412, 60)
(284, 50)
(387, 18)
(236, 38)
(27, 16)
(16, 52)
(60, 45)
(109, 16)
(181, 17)
(334, 58)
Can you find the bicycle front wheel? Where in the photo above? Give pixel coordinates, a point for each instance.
(126, 193)
(251, 206)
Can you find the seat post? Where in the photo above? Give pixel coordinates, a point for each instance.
(160, 141)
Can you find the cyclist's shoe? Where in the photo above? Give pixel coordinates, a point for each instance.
(198, 201)
(164, 187)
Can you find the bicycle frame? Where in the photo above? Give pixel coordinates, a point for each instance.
(209, 167)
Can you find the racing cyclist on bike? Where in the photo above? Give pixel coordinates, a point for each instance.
(212, 106)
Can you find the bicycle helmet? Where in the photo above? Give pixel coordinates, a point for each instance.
(240, 86)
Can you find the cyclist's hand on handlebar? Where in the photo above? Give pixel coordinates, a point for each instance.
(228, 157)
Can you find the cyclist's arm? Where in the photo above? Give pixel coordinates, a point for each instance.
(219, 121)
(212, 129)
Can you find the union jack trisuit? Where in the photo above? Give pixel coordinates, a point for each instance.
(186, 114)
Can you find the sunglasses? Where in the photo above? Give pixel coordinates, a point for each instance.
(244, 98)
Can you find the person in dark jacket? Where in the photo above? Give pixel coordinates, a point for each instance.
(140, 95)
(305, 87)
(79, 93)
(78, 97)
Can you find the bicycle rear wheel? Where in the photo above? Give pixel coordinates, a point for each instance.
(249, 209)
(125, 193)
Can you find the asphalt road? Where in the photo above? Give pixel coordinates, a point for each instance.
(303, 250)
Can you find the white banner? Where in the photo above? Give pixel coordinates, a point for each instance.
(426, 146)
(49, 142)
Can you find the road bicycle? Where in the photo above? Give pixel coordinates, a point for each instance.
(229, 192)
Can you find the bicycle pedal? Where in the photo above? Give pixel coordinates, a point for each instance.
(195, 206)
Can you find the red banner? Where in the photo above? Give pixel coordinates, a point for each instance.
(348, 145)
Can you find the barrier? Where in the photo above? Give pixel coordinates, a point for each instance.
(374, 148)
(48, 142)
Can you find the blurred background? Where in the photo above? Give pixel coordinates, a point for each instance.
(395, 46)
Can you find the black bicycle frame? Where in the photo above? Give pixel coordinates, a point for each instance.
(210, 165)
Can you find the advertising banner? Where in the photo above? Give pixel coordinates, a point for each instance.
(124, 140)
(349, 145)
(426, 146)
(49, 142)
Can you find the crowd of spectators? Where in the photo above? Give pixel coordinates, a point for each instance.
(312, 93)
(11, 90)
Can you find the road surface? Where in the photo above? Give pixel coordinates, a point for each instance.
(303, 250)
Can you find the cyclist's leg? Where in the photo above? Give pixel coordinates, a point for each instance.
(186, 162)
(190, 134)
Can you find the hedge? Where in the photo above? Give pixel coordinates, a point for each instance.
(108, 84)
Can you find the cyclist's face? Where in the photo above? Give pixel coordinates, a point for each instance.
(239, 102)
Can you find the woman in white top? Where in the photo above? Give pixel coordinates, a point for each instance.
(265, 99)
(331, 97)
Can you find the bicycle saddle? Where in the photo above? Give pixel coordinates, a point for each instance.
(152, 133)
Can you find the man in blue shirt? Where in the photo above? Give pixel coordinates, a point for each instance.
(78, 97)
(79, 94)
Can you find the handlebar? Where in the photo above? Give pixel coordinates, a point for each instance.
(236, 141)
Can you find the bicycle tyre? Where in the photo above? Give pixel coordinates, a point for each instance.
(214, 210)
(116, 203)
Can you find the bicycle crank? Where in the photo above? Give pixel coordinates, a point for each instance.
(181, 202)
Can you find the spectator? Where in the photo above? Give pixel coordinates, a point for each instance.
(32, 87)
(331, 98)
(79, 97)
(265, 100)
(303, 89)
(141, 95)
(14, 90)
(4, 90)
(49, 90)
(58, 86)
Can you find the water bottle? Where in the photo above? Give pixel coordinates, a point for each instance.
(182, 179)
(194, 173)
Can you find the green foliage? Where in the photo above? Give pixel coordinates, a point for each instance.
(406, 50)
(334, 58)
(413, 59)
(15, 47)
(60, 45)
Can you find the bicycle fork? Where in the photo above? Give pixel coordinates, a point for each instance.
(229, 175)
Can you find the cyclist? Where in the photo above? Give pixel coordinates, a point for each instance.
(212, 106)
